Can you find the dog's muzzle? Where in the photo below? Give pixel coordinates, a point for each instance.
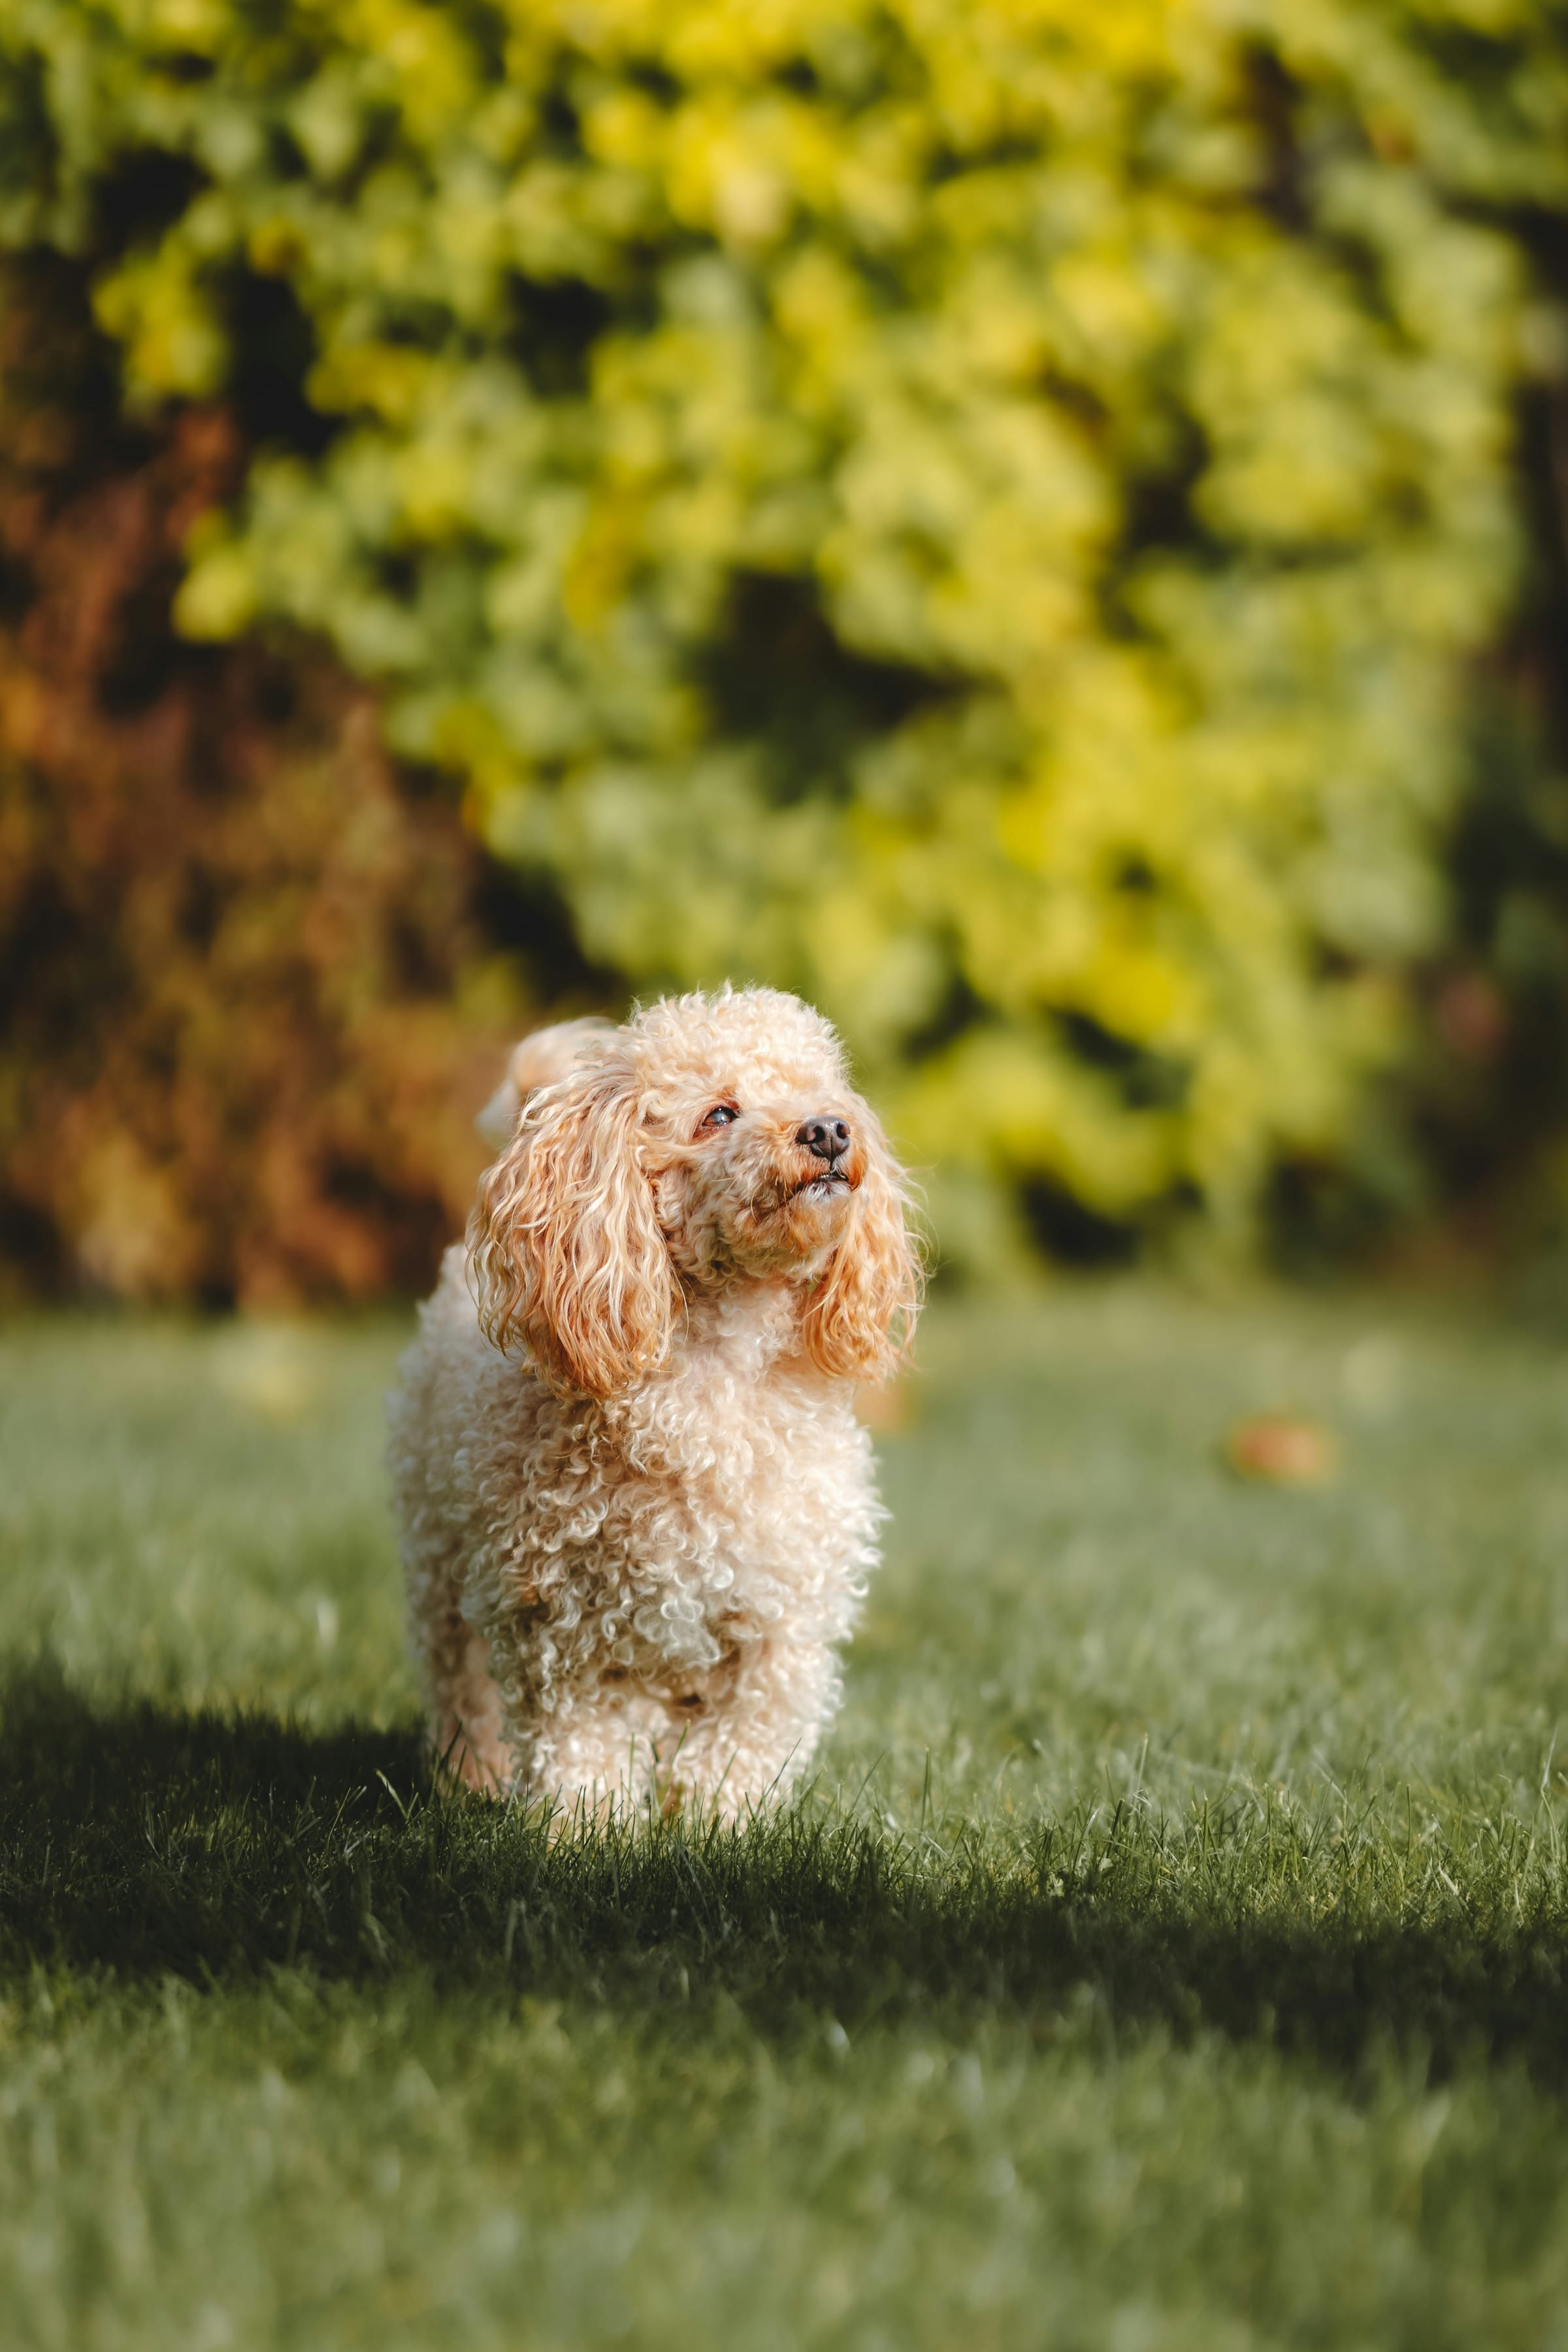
(827, 1138)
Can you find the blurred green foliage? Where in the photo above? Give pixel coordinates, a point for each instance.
(979, 512)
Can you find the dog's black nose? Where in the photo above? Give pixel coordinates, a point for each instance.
(828, 1138)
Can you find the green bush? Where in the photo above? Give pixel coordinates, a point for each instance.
(977, 509)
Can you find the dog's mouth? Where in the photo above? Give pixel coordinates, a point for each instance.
(825, 1187)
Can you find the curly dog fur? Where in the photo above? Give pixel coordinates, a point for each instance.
(638, 1509)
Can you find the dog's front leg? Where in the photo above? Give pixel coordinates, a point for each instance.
(741, 1738)
(600, 1750)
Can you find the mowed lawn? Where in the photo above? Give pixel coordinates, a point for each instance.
(1168, 1952)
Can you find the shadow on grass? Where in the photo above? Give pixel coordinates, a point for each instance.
(145, 1841)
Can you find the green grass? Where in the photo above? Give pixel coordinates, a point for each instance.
(1168, 1953)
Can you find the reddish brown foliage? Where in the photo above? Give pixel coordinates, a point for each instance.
(247, 1007)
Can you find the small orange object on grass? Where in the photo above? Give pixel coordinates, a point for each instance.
(883, 1409)
(1280, 1449)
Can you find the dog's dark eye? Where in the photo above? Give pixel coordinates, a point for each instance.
(722, 1115)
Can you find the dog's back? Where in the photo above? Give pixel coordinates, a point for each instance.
(541, 1057)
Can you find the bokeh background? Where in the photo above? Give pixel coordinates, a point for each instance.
(1040, 526)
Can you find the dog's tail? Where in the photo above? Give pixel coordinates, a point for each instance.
(541, 1058)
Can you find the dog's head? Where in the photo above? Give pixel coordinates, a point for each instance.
(711, 1141)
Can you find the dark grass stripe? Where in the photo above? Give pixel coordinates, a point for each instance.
(146, 1841)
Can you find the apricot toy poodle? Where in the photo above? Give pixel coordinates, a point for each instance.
(638, 1508)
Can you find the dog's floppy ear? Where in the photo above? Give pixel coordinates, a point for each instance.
(564, 1247)
(861, 1317)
